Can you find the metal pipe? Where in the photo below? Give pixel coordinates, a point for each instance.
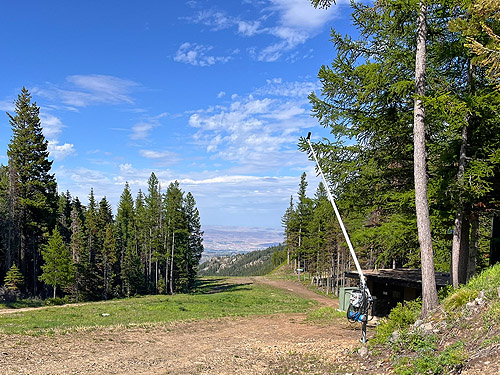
(344, 231)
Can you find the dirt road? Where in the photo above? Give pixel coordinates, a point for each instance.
(278, 344)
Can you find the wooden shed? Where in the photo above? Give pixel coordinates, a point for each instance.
(390, 286)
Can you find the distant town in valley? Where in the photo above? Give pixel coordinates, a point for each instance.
(223, 240)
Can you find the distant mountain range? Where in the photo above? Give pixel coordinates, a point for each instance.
(223, 240)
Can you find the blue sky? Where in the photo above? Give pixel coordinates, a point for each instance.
(210, 93)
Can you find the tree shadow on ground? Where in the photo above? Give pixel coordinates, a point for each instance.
(218, 285)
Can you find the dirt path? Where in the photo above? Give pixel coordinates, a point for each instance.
(275, 344)
(298, 289)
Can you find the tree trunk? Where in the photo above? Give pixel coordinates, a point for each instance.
(457, 231)
(429, 291)
(463, 260)
(172, 265)
(474, 244)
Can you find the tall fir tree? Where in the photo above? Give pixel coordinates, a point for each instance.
(194, 247)
(32, 189)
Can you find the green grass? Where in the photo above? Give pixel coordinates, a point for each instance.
(214, 298)
(325, 315)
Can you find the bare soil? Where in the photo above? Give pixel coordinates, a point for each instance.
(277, 344)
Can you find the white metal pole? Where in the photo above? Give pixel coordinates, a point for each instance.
(344, 231)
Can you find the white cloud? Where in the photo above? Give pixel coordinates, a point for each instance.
(221, 94)
(60, 152)
(150, 154)
(299, 14)
(141, 130)
(52, 125)
(257, 133)
(196, 54)
(92, 89)
(7, 106)
(249, 28)
(276, 87)
(161, 158)
(291, 22)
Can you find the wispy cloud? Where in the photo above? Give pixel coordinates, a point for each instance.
(93, 89)
(141, 130)
(198, 55)
(7, 106)
(256, 132)
(291, 22)
(161, 158)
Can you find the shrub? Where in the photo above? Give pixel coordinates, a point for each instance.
(459, 298)
(56, 301)
(9, 294)
(431, 362)
(488, 280)
(400, 318)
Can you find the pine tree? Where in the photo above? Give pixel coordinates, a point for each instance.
(58, 267)
(14, 280)
(64, 208)
(90, 277)
(32, 187)
(303, 216)
(108, 255)
(153, 204)
(142, 236)
(125, 234)
(194, 247)
(78, 250)
(176, 229)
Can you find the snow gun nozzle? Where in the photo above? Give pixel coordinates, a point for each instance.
(308, 136)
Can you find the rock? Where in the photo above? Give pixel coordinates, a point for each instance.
(427, 328)
(418, 323)
(105, 314)
(394, 337)
(363, 351)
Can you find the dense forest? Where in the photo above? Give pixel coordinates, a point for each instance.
(369, 100)
(51, 244)
(254, 263)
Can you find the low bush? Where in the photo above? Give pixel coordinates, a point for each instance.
(9, 294)
(432, 362)
(399, 319)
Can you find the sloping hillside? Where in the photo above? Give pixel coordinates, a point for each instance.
(254, 263)
(462, 337)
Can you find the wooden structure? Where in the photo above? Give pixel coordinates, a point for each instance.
(390, 286)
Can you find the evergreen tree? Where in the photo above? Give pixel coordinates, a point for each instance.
(141, 237)
(303, 217)
(78, 251)
(58, 267)
(108, 261)
(194, 247)
(14, 280)
(64, 208)
(90, 277)
(289, 230)
(125, 233)
(32, 187)
(153, 203)
(176, 230)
